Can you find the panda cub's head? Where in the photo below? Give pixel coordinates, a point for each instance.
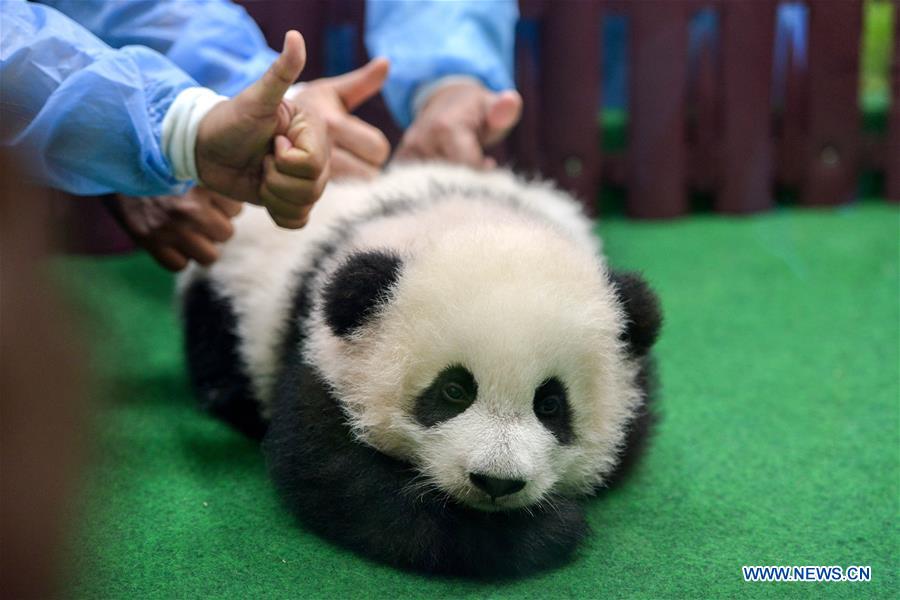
(500, 360)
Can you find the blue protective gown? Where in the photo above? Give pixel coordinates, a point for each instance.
(85, 117)
(214, 41)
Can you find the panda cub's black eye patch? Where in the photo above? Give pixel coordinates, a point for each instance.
(450, 394)
(551, 405)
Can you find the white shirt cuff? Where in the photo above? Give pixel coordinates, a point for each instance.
(179, 130)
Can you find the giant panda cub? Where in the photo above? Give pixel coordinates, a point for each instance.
(440, 365)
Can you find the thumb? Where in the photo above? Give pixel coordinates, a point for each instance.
(357, 86)
(266, 93)
(503, 112)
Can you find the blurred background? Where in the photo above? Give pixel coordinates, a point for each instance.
(659, 109)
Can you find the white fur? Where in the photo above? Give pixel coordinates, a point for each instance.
(506, 280)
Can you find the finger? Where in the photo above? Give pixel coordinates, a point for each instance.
(280, 206)
(195, 246)
(416, 147)
(267, 92)
(289, 223)
(359, 138)
(357, 86)
(168, 258)
(305, 158)
(213, 224)
(502, 113)
(294, 190)
(194, 211)
(197, 212)
(488, 163)
(461, 146)
(411, 153)
(346, 165)
(228, 207)
(284, 214)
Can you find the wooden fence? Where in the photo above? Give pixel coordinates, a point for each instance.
(715, 132)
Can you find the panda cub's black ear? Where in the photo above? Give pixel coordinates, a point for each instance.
(642, 310)
(357, 288)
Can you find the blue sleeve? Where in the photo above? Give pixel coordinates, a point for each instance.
(426, 40)
(87, 118)
(214, 41)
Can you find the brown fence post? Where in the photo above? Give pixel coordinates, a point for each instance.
(834, 134)
(704, 120)
(790, 158)
(524, 141)
(892, 154)
(657, 149)
(570, 96)
(746, 166)
(275, 17)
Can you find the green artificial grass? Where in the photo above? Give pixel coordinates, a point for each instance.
(779, 442)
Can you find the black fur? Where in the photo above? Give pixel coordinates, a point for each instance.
(214, 366)
(644, 314)
(559, 423)
(640, 429)
(432, 407)
(355, 496)
(642, 311)
(355, 289)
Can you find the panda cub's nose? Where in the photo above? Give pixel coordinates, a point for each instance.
(496, 487)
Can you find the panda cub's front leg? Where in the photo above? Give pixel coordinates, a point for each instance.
(215, 369)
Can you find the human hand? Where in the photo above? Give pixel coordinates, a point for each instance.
(260, 148)
(357, 148)
(176, 229)
(458, 121)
